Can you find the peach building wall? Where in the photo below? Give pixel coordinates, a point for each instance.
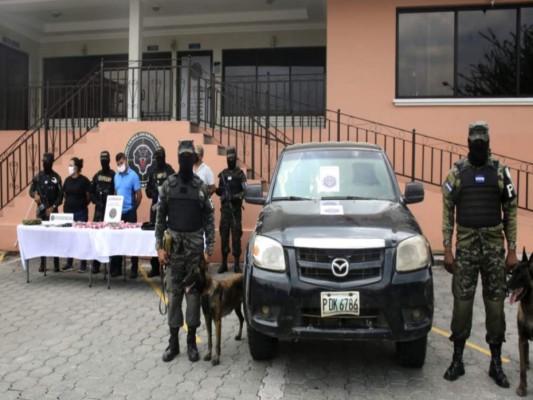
(361, 62)
(113, 136)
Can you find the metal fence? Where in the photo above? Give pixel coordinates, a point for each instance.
(260, 118)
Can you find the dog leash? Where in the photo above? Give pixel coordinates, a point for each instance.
(163, 305)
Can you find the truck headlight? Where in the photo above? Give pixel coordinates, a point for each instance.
(412, 254)
(268, 254)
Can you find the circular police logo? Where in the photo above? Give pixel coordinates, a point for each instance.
(329, 181)
(112, 213)
(140, 154)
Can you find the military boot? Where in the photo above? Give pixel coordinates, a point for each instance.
(56, 264)
(224, 266)
(155, 268)
(456, 368)
(236, 266)
(173, 348)
(192, 350)
(496, 370)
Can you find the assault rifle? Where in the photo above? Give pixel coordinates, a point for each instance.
(227, 196)
(43, 206)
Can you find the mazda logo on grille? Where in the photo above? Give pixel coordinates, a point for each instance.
(340, 267)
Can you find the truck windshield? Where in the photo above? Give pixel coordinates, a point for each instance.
(343, 174)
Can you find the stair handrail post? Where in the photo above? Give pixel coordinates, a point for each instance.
(413, 151)
(338, 125)
(253, 140)
(212, 101)
(267, 111)
(101, 89)
(46, 127)
(189, 89)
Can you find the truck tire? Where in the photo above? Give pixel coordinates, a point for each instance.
(262, 347)
(412, 354)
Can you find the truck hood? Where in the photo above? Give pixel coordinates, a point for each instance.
(373, 222)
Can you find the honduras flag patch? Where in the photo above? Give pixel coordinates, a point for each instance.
(448, 186)
(480, 179)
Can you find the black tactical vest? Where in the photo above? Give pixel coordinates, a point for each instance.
(479, 200)
(233, 179)
(184, 205)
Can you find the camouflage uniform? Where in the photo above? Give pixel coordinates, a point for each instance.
(479, 251)
(479, 196)
(157, 175)
(186, 250)
(231, 187)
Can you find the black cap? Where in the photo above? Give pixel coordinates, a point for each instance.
(186, 146)
(159, 151)
(231, 152)
(104, 156)
(48, 157)
(478, 130)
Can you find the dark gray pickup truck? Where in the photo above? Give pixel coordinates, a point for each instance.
(337, 255)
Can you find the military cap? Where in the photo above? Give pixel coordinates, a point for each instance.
(478, 130)
(231, 152)
(186, 146)
(48, 157)
(159, 151)
(199, 149)
(104, 155)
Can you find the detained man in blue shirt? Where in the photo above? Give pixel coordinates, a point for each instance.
(127, 185)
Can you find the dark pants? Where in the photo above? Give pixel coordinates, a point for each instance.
(83, 216)
(116, 261)
(230, 221)
(43, 259)
(98, 217)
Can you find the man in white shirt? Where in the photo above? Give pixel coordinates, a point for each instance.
(203, 171)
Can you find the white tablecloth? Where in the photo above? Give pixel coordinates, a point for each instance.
(127, 242)
(83, 244)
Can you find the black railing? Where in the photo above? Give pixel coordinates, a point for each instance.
(260, 118)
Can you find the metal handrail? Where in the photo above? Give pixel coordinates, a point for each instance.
(255, 126)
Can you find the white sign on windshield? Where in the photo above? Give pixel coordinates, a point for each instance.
(329, 179)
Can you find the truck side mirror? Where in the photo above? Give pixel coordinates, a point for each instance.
(254, 194)
(414, 192)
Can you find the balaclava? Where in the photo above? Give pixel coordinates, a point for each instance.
(160, 158)
(231, 157)
(186, 160)
(105, 159)
(48, 162)
(478, 143)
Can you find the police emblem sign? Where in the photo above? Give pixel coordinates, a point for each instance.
(140, 154)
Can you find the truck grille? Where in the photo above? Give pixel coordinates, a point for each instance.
(315, 264)
(367, 320)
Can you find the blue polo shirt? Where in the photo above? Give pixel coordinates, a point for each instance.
(126, 185)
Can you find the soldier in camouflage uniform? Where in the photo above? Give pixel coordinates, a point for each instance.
(47, 191)
(186, 213)
(231, 186)
(102, 185)
(157, 175)
(479, 194)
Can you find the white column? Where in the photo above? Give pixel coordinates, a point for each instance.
(134, 55)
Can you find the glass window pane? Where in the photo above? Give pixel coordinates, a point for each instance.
(486, 54)
(307, 88)
(425, 54)
(526, 52)
(239, 89)
(273, 88)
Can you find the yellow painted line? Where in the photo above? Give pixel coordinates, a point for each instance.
(2, 255)
(469, 344)
(156, 289)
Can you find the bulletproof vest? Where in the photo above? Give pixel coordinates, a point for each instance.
(161, 177)
(184, 205)
(104, 185)
(49, 188)
(233, 179)
(479, 200)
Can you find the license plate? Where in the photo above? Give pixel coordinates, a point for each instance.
(338, 303)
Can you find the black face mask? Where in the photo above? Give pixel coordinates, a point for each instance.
(161, 162)
(478, 152)
(105, 165)
(47, 166)
(232, 163)
(186, 163)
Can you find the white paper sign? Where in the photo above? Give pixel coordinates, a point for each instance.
(329, 179)
(60, 218)
(113, 208)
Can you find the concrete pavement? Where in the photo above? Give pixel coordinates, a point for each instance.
(60, 339)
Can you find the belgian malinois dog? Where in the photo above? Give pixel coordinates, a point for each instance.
(520, 285)
(219, 298)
